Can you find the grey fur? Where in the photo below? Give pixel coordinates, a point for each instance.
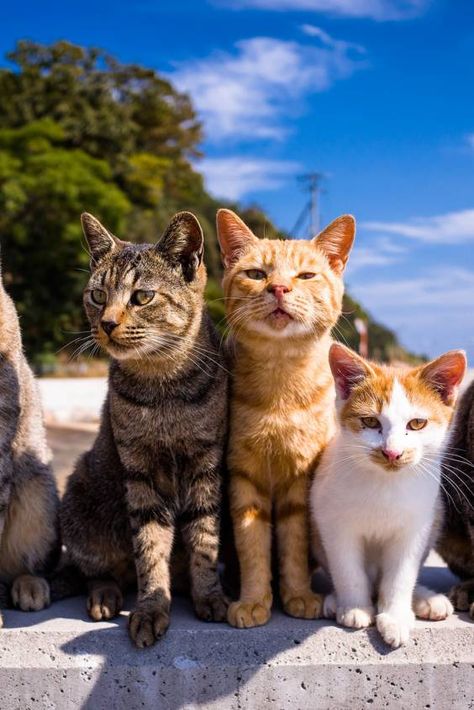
(153, 479)
(456, 543)
(29, 542)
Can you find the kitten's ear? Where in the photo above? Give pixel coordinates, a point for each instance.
(100, 241)
(348, 369)
(445, 374)
(233, 235)
(336, 241)
(182, 243)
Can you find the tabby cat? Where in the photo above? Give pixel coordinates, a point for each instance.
(376, 494)
(29, 542)
(282, 300)
(456, 543)
(154, 474)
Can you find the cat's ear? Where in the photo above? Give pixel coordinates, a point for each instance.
(234, 236)
(348, 369)
(445, 374)
(336, 241)
(99, 240)
(182, 243)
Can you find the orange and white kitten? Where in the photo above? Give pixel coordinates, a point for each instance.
(375, 499)
(282, 299)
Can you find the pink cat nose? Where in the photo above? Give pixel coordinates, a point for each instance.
(278, 290)
(391, 454)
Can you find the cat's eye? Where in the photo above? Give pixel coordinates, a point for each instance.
(371, 422)
(256, 274)
(98, 296)
(305, 275)
(142, 297)
(417, 424)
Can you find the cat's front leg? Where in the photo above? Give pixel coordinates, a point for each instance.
(152, 520)
(401, 560)
(251, 516)
(200, 529)
(292, 528)
(345, 555)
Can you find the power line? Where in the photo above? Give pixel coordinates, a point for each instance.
(312, 182)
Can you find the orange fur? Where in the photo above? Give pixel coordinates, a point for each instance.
(282, 404)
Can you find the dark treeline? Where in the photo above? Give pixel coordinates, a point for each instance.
(81, 131)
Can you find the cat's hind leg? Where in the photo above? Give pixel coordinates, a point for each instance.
(430, 605)
(30, 593)
(104, 600)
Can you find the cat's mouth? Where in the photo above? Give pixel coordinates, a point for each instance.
(279, 318)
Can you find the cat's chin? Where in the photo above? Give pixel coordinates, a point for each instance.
(278, 329)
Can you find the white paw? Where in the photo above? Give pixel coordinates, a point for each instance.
(395, 629)
(434, 608)
(329, 607)
(357, 618)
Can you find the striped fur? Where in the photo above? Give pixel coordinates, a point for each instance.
(150, 488)
(282, 403)
(29, 541)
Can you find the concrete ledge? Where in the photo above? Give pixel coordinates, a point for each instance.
(58, 659)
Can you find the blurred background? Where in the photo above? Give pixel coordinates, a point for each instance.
(291, 112)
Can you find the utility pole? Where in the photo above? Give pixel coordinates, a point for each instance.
(312, 182)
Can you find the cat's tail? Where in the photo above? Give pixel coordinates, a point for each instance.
(66, 581)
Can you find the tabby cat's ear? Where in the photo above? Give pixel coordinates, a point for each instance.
(445, 374)
(182, 243)
(100, 241)
(348, 369)
(233, 235)
(336, 241)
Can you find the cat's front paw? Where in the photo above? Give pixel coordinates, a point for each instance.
(30, 593)
(246, 615)
(104, 601)
(462, 597)
(356, 617)
(306, 605)
(395, 629)
(434, 608)
(329, 606)
(211, 608)
(147, 625)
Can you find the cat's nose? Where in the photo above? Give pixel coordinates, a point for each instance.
(278, 290)
(392, 455)
(108, 326)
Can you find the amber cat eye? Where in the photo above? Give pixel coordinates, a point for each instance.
(256, 274)
(417, 424)
(371, 422)
(306, 275)
(141, 298)
(98, 297)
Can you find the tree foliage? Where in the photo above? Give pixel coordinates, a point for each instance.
(81, 131)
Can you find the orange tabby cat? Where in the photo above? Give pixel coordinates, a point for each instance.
(283, 298)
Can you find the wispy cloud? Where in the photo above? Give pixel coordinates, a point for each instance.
(470, 140)
(380, 10)
(234, 177)
(431, 312)
(247, 93)
(449, 228)
(383, 252)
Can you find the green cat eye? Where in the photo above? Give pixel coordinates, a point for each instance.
(98, 296)
(417, 424)
(256, 274)
(371, 422)
(141, 297)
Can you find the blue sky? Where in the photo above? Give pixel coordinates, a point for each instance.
(376, 94)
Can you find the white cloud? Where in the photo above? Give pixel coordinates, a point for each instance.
(383, 252)
(449, 228)
(470, 140)
(247, 93)
(374, 9)
(431, 313)
(234, 177)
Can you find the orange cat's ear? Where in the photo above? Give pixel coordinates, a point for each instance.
(348, 369)
(445, 374)
(336, 241)
(234, 236)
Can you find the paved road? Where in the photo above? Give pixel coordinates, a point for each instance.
(67, 444)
